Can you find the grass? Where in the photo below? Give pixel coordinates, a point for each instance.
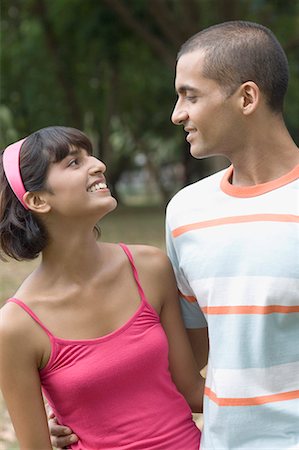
(127, 224)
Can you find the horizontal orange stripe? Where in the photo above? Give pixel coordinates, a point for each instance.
(235, 219)
(250, 309)
(189, 298)
(251, 401)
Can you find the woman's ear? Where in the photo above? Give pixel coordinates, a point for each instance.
(250, 97)
(36, 202)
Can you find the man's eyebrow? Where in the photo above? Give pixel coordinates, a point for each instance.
(186, 87)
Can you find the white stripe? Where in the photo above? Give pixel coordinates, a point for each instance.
(186, 201)
(240, 291)
(247, 383)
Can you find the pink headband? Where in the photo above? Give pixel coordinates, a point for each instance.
(11, 166)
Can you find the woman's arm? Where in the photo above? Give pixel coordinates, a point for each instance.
(184, 370)
(20, 383)
(158, 281)
(199, 341)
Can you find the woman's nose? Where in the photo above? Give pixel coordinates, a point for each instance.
(179, 116)
(97, 166)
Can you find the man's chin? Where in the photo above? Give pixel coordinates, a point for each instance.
(198, 153)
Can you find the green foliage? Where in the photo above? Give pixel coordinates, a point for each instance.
(107, 67)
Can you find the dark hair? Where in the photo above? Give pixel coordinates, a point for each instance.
(240, 51)
(22, 235)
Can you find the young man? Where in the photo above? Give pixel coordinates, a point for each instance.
(233, 238)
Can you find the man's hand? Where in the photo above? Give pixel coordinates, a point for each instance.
(61, 436)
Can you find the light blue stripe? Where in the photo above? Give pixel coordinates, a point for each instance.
(253, 340)
(261, 249)
(264, 427)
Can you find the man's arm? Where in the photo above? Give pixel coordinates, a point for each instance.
(61, 436)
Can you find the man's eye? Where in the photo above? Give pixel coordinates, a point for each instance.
(190, 98)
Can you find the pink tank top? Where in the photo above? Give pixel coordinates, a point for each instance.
(115, 391)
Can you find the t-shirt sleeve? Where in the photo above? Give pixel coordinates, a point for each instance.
(192, 315)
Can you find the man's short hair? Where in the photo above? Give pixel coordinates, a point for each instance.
(240, 51)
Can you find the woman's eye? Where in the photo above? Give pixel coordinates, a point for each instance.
(73, 162)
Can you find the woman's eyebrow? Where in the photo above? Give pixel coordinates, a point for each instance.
(74, 151)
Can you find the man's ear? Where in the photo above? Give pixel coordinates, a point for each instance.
(36, 202)
(250, 97)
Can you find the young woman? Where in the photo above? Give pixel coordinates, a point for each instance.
(96, 327)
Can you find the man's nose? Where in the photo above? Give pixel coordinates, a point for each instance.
(179, 115)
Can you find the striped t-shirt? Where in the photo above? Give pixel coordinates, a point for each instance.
(235, 252)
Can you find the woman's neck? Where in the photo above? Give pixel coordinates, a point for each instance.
(72, 256)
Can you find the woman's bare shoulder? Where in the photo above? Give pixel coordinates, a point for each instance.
(151, 259)
(14, 324)
(148, 252)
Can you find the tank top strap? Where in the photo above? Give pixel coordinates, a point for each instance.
(31, 313)
(135, 272)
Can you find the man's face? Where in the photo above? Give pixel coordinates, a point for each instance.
(208, 115)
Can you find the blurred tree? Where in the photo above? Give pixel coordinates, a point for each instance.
(107, 67)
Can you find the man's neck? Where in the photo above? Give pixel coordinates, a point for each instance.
(268, 155)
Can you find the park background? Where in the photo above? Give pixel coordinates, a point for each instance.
(107, 68)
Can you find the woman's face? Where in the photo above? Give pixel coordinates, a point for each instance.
(77, 186)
